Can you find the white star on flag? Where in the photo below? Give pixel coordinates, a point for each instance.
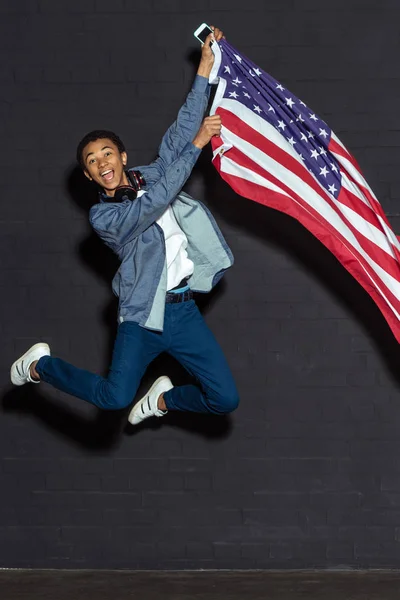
(323, 171)
(314, 154)
(257, 109)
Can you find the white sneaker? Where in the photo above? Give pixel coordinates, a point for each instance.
(20, 372)
(147, 406)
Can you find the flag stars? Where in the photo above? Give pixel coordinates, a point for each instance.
(279, 87)
(238, 58)
(291, 141)
(257, 109)
(332, 188)
(334, 167)
(300, 118)
(233, 95)
(314, 154)
(323, 133)
(227, 69)
(237, 81)
(271, 108)
(323, 171)
(304, 137)
(257, 72)
(289, 102)
(313, 117)
(310, 135)
(322, 151)
(281, 125)
(246, 94)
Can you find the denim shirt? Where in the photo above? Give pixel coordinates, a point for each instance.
(130, 228)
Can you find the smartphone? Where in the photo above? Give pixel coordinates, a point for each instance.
(202, 32)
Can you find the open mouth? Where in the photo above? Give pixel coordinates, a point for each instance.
(107, 175)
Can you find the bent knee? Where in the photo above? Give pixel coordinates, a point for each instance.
(231, 403)
(226, 403)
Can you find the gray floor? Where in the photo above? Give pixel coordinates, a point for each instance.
(185, 585)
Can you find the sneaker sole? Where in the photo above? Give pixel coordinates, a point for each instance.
(15, 378)
(157, 381)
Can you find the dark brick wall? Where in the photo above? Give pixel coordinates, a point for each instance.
(306, 472)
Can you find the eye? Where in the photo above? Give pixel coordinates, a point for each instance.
(91, 161)
(107, 153)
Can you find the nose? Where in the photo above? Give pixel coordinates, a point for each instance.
(102, 162)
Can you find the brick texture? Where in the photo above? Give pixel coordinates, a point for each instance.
(305, 474)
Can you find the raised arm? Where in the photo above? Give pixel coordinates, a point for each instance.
(191, 114)
(119, 223)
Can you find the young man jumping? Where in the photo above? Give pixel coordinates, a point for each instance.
(169, 246)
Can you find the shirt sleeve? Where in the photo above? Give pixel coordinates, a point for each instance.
(118, 223)
(187, 123)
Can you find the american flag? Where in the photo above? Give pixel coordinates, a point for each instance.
(275, 150)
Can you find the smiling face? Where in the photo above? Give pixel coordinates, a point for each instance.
(105, 164)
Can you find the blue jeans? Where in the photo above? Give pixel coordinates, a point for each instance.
(186, 337)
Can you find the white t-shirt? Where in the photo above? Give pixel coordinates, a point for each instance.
(179, 264)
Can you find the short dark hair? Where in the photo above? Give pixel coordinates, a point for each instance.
(92, 136)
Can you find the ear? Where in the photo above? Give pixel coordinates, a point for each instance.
(124, 158)
(87, 175)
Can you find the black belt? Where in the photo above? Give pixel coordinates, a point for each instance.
(173, 297)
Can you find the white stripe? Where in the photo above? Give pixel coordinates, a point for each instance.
(351, 169)
(260, 125)
(309, 195)
(351, 187)
(230, 167)
(369, 231)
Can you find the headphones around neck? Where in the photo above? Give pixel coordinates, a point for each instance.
(129, 192)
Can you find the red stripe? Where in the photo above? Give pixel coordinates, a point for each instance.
(250, 135)
(386, 261)
(351, 260)
(376, 207)
(245, 132)
(333, 146)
